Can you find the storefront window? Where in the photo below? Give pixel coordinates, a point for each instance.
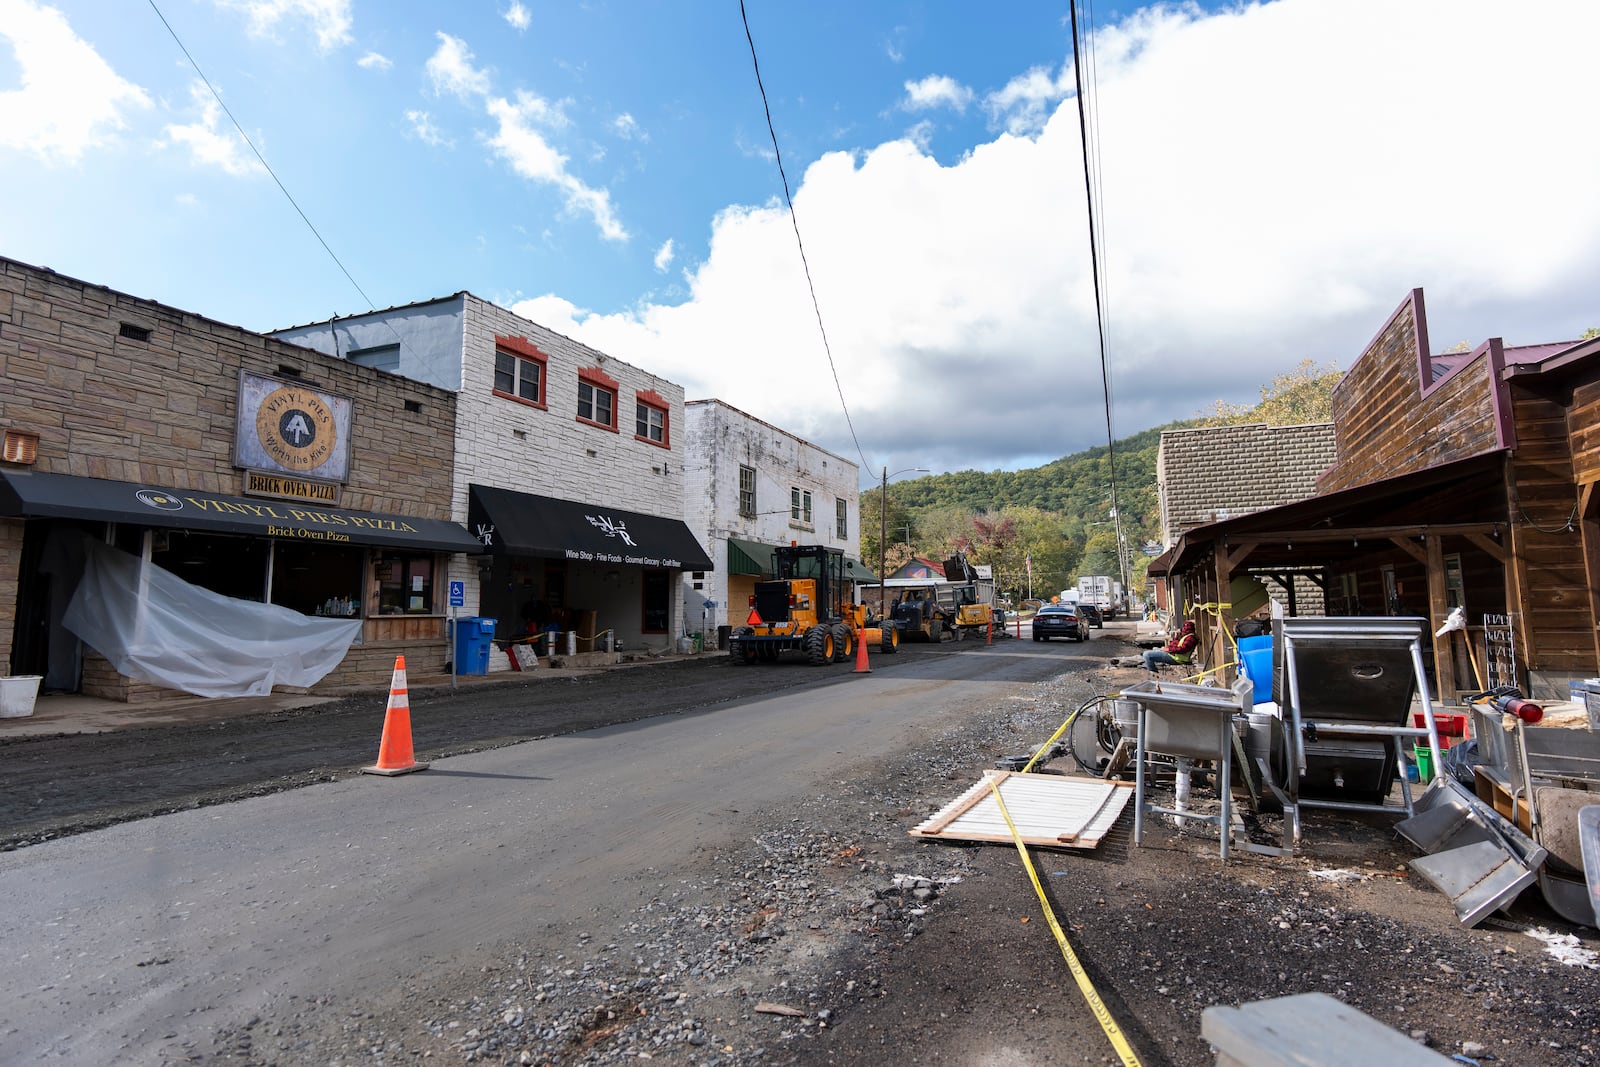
(232, 566)
(405, 583)
(318, 579)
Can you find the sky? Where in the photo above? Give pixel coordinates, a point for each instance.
(1272, 179)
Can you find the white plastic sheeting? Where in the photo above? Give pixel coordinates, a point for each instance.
(155, 627)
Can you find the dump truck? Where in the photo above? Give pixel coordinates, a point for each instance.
(806, 608)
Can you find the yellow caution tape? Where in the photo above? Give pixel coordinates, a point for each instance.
(1097, 1006)
(1039, 753)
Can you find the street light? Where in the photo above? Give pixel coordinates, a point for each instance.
(883, 531)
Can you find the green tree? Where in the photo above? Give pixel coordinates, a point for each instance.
(1593, 331)
(1303, 395)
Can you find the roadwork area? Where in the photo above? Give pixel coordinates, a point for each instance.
(784, 916)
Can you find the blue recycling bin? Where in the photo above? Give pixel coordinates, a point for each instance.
(1255, 663)
(474, 639)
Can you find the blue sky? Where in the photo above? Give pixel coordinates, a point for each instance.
(1275, 178)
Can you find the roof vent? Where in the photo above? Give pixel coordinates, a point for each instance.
(133, 332)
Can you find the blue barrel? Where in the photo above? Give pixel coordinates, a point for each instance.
(474, 639)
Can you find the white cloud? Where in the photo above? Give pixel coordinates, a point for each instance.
(329, 19)
(936, 90)
(374, 61)
(70, 99)
(423, 129)
(1026, 101)
(532, 156)
(627, 128)
(451, 71)
(211, 139)
(664, 256)
(1275, 179)
(517, 15)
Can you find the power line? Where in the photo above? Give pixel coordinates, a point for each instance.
(1099, 301)
(795, 221)
(263, 160)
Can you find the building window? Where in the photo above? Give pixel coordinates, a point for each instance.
(747, 491)
(800, 505)
(519, 370)
(650, 418)
(405, 583)
(841, 511)
(380, 357)
(597, 398)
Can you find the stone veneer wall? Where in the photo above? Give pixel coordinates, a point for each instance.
(161, 411)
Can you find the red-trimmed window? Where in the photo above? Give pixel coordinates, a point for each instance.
(650, 418)
(597, 398)
(520, 370)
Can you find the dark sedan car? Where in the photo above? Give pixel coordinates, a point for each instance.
(1092, 613)
(1060, 620)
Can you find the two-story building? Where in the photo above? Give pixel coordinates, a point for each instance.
(186, 505)
(750, 486)
(569, 466)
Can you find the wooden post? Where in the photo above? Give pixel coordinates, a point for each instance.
(1444, 654)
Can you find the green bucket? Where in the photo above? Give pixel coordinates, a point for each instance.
(1424, 756)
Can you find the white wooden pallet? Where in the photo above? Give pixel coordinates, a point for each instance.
(1048, 809)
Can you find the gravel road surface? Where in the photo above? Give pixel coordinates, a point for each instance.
(700, 864)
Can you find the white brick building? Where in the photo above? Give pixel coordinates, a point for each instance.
(748, 487)
(569, 466)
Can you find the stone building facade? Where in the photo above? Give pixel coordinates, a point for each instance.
(131, 422)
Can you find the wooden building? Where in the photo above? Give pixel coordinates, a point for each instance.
(1461, 479)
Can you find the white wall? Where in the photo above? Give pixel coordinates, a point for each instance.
(429, 336)
(720, 438)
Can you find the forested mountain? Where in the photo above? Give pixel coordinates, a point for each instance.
(1056, 521)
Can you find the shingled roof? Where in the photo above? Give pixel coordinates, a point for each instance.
(1220, 472)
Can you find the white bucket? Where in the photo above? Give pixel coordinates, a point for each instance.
(17, 695)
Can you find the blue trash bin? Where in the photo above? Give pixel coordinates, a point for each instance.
(474, 639)
(1255, 663)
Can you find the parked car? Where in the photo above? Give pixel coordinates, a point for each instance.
(1094, 615)
(1060, 620)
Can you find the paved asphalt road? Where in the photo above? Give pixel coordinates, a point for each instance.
(125, 943)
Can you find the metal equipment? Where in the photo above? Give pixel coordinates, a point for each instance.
(805, 609)
(1344, 687)
(1191, 722)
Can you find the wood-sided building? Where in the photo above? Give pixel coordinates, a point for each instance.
(1461, 479)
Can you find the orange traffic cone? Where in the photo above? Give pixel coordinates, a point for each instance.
(861, 654)
(394, 750)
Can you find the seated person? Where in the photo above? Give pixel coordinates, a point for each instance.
(1178, 650)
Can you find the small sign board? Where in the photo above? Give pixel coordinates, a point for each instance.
(458, 594)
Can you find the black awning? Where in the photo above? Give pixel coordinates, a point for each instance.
(36, 494)
(522, 524)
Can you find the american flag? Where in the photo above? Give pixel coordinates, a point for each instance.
(1027, 561)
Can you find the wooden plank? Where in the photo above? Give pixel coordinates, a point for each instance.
(1047, 810)
(953, 811)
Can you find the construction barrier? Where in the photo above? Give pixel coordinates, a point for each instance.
(394, 748)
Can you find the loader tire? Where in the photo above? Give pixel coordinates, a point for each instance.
(890, 641)
(819, 645)
(844, 645)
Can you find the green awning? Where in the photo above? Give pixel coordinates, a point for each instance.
(753, 557)
(749, 557)
(857, 572)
